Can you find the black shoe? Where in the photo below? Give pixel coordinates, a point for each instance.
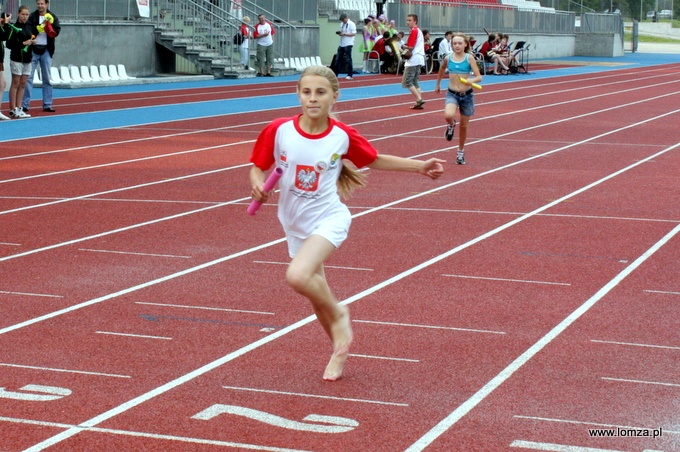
(49, 110)
(449, 131)
(24, 109)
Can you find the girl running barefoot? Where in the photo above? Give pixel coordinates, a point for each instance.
(459, 95)
(311, 149)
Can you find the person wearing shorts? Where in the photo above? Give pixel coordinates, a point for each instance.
(312, 150)
(412, 66)
(5, 32)
(463, 72)
(20, 44)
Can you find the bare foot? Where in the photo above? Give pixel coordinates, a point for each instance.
(341, 333)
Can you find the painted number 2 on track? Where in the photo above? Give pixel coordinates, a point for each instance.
(338, 424)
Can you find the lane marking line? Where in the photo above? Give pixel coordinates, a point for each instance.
(386, 358)
(134, 335)
(556, 447)
(135, 254)
(51, 369)
(32, 294)
(325, 266)
(636, 345)
(204, 307)
(315, 396)
(433, 327)
(625, 380)
(509, 280)
(662, 291)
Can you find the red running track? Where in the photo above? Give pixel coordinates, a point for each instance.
(515, 304)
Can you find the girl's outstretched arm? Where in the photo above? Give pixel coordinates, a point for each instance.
(257, 181)
(431, 168)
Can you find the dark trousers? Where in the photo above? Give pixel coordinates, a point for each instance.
(344, 54)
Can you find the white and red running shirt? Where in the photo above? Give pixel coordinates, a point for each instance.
(311, 166)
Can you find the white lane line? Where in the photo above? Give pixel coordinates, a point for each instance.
(635, 345)
(625, 380)
(562, 215)
(434, 327)
(386, 358)
(550, 447)
(325, 266)
(135, 254)
(297, 394)
(449, 420)
(51, 369)
(11, 244)
(509, 280)
(594, 424)
(662, 291)
(204, 307)
(31, 294)
(152, 435)
(134, 335)
(506, 373)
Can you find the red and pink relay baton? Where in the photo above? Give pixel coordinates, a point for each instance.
(268, 186)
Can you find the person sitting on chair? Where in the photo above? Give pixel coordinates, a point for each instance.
(490, 52)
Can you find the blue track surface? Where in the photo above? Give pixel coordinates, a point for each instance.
(82, 122)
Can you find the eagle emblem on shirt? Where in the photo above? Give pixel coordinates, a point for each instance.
(306, 178)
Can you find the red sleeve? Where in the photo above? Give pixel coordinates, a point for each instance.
(256, 32)
(263, 151)
(360, 151)
(413, 38)
(244, 30)
(272, 27)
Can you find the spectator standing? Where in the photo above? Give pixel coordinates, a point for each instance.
(5, 21)
(243, 48)
(20, 44)
(348, 30)
(264, 36)
(45, 27)
(416, 61)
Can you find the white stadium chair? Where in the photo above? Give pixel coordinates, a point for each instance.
(122, 73)
(75, 74)
(104, 73)
(94, 73)
(54, 75)
(65, 74)
(113, 72)
(85, 74)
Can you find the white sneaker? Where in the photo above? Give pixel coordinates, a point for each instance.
(348, 77)
(21, 114)
(3, 117)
